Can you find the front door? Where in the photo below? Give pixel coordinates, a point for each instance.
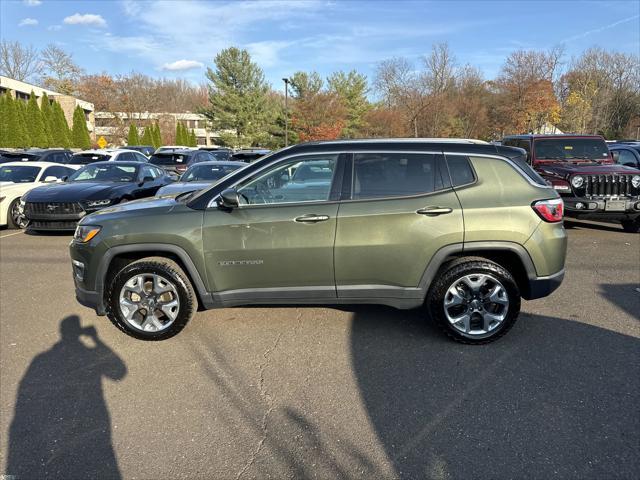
(278, 243)
(402, 210)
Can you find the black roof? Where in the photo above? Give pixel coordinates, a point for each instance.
(553, 135)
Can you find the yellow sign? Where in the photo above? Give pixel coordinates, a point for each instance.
(102, 142)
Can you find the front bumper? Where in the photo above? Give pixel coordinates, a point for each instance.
(609, 208)
(544, 286)
(90, 299)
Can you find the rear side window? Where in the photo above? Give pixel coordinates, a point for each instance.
(460, 170)
(169, 159)
(381, 175)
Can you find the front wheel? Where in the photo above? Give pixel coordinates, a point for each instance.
(151, 299)
(631, 226)
(15, 215)
(474, 301)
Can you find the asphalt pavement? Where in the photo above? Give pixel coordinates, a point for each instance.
(362, 392)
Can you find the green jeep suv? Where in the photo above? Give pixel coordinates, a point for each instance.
(460, 227)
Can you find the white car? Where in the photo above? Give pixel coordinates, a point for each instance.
(166, 148)
(17, 178)
(86, 157)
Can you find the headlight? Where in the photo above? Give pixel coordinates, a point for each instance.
(98, 203)
(577, 181)
(635, 181)
(84, 233)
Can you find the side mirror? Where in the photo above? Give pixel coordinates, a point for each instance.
(147, 179)
(50, 179)
(616, 156)
(229, 198)
(65, 178)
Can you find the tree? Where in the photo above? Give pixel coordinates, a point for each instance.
(35, 124)
(320, 116)
(61, 72)
(132, 138)
(21, 131)
(351, 88)
(237, 97)
(193, 140)
(47, 119)
(18, 61)
(60, 131)
(79, 132)
(146, 137)
(156, 137)
(180, 134)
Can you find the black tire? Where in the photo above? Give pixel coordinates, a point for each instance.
(459, 269)
(11, 223)
(152, 265)
(631, 226)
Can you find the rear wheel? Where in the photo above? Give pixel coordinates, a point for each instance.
(15, 215)
(151, 299)
(474, 301)
(631, 226)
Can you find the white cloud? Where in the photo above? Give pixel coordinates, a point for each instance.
(86, 19)
(182, 65)
(28, 22)
(32, 3)
(54, 28)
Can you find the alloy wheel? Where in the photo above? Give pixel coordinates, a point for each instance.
(17, 215)
(149, 302)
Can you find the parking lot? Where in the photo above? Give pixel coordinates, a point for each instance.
(366, 392)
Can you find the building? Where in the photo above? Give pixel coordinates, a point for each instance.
(22, 91)
(114, 127)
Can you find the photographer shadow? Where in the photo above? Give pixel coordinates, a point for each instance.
(61, 426)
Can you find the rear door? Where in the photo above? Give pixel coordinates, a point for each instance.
(401, 211)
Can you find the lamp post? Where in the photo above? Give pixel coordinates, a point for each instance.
(286, 111)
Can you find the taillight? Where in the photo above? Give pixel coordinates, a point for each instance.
(181, 168)
(550, 210)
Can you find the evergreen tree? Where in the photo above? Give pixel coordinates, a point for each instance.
(4, 124)
(80, 133)
(22, 139)
(179, 136)
(35, 124)
(352, 90)
(193, 141)
(146, 137)
(132, 138)
(238, 98)
(47, 119)
(155, 135)
(61, 133)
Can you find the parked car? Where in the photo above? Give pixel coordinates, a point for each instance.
(98, 185)
(111, 154)
(199, 176)
(249, 155)
(170, 148)
(220, 153)
(463, 227)
(626, 153)
(582, 170)
(52, 155)
(146, 150)
(17, 178)
(177, 161)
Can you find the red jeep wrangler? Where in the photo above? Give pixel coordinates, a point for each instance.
(582, 170)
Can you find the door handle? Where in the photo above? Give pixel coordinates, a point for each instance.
(312, 218)
(433, 211)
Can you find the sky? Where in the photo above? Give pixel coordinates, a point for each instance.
(179, 39)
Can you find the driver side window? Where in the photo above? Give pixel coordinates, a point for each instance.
(305, 178)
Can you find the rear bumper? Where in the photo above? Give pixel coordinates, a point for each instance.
(544, 286)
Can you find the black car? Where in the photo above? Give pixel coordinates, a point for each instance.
(98, 185)
(178, 160)
(626, 153)
(249, 155)
(144, 149)
(220, 153)
(53, 155)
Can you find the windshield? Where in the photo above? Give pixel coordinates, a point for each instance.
(570, 149)
(221, 156)
(169, 159)
(87, 158)
(18, 174)
(105, 173)
(207, 173)
(19, 157)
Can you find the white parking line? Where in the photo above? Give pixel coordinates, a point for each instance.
(11, 234)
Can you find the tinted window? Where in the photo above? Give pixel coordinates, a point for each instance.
(87, 158)
(279, 183)
(149, 172)
(169, 159)
(207, 172)
(20, 157)
(460, 170)
(57, 172)
(395, 175)
(138, 157)
(58, 157)
(626, 157)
